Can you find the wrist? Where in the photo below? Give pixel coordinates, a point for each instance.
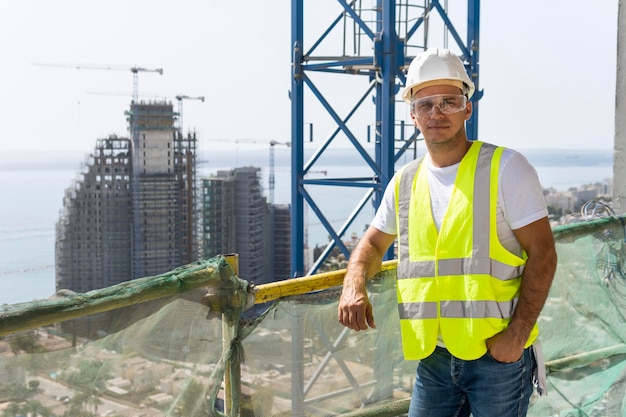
(518, 332)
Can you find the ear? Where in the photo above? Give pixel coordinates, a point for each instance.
(468, 110)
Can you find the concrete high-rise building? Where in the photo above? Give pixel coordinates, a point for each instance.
(132, 212)
(281, 241)
(163, 184)
(93, 233)
(237, 219)
(218, 214)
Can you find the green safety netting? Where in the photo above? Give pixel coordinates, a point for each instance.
(194, 345)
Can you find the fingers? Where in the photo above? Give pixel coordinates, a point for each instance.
(349, 317)
(503, 350)
(357, 316)
(370, 317)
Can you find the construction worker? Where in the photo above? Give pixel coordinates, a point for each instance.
(476, 257)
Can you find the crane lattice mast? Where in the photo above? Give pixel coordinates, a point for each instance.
(379, 41)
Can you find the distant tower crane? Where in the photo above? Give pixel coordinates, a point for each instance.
(135, 70)
(180, 99)
(272, 179)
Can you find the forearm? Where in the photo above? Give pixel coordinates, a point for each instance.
(534, 289)
(537, 241)
(365, 261)
(355, 309)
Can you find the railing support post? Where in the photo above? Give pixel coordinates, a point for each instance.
(232, 370)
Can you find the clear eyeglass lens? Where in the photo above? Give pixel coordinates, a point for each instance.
(447, 103)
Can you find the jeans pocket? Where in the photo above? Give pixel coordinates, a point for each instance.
(488, 355)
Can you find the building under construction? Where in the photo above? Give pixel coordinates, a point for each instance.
(281, 240)
(131, 213)
(238, 219)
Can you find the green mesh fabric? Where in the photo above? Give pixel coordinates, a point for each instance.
(176, 356)
(582, 326)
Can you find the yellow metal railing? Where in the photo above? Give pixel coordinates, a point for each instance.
(298, 286)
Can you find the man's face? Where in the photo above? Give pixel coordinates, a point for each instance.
(438, 127)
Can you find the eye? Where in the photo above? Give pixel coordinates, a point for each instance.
(424, 105)
(451, 102)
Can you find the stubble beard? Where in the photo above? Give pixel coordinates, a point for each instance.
(454, 141)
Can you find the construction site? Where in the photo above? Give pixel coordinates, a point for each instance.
(139, 229)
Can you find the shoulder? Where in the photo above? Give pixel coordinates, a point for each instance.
(508, 155)
(514, 163)
(520, 191)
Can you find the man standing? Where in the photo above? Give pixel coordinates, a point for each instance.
(476, 256)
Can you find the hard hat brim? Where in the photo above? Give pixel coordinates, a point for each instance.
(409, 92)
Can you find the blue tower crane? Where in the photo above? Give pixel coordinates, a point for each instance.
(377, 44)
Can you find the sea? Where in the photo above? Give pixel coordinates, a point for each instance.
(33, 184)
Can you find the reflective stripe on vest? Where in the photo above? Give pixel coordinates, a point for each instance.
(461, 266)
(458, 309)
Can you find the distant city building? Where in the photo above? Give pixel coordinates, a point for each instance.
(238, 219)
(572, 200)
(218, 214)
(281, 241)
(132, 211)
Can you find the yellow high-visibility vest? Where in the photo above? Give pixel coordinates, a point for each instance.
(459, 281)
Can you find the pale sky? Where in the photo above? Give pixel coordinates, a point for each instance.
(548, 71)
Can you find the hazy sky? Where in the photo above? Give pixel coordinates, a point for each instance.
(548, 71)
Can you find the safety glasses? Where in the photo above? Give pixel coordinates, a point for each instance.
(447, 104)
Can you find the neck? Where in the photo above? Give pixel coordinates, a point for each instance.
(443, 155)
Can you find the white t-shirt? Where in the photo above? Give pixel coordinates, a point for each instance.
(520, 198)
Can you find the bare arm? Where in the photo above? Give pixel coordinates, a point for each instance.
(538, 242)
(355, 309)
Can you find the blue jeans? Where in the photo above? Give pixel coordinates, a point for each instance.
(446, 386)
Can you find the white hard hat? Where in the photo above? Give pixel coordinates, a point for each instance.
(436, 67)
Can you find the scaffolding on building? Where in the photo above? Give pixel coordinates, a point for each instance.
(93, 231)
(132, 211)
(164, 192)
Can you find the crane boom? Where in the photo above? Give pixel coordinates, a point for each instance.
(180, 98)
(93, 66)
(134, 69)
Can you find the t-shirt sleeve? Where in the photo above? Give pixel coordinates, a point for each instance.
(521, 192)
(385, 217)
